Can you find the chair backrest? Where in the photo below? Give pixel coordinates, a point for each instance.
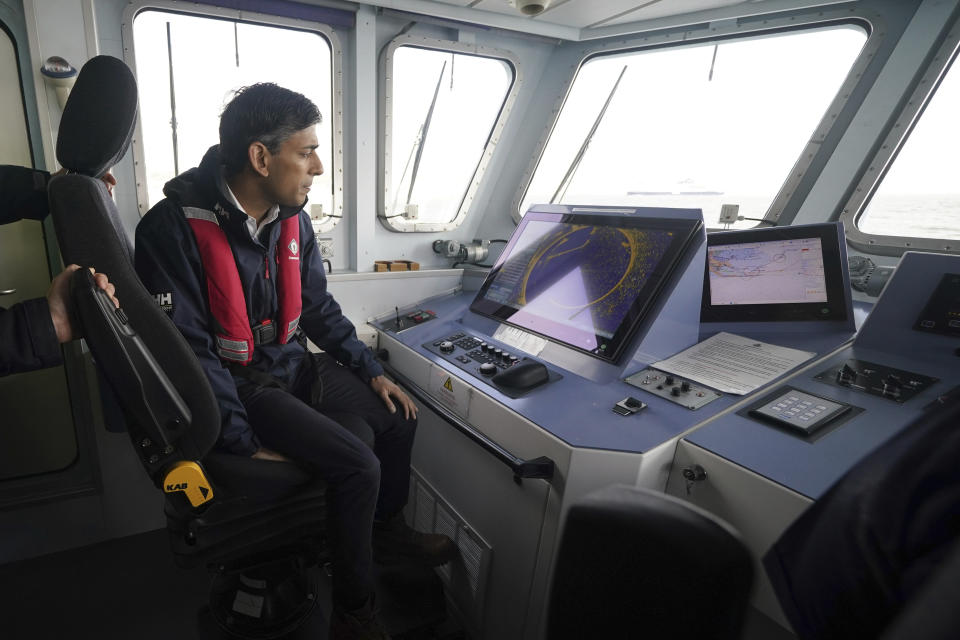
(95, 131)
(634, 563)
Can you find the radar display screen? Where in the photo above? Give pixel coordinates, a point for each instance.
(774, 274)
(584, 280)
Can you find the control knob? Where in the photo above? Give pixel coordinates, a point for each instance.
(446, 346)
(488, 369)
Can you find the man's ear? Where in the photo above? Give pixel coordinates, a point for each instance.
(259, 157)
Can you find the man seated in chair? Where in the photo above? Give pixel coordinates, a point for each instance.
(229, 254)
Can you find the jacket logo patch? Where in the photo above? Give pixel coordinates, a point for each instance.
(293, 247)
(164, 301)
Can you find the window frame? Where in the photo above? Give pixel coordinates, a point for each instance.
(384, 135)
(794, 185)
(874, 171)
(329, 220)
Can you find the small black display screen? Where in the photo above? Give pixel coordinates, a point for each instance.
(942, 313)
(584, 280)
(774, 274)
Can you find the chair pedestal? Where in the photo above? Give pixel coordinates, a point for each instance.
(270, 600)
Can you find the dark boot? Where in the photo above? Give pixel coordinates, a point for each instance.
(394, 542)
(357, 624)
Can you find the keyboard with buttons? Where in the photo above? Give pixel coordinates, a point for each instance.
(802, 411)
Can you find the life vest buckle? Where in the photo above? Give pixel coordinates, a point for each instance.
(264, 333)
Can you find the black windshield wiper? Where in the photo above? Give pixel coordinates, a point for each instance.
(421, 138)
(575, 164)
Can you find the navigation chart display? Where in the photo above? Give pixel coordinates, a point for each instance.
(776, 274)
(773, 272)
(586, 281)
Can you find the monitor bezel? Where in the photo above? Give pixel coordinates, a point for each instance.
(833, 310)
(686, 230)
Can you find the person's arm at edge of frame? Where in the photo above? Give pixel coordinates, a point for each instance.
(32, 331)
(324, 323)
(23, 194)
(163, 240)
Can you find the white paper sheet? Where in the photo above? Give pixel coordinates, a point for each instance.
(520, 339)
(732, 363)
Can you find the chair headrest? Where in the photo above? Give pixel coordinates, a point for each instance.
(99, 117)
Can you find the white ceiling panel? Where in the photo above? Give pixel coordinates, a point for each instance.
(586, 19)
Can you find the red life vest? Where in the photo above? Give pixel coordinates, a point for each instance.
(234, 337)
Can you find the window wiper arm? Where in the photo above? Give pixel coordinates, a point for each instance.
(422, 136)
(575, 163)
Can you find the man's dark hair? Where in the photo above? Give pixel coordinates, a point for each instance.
(263, 113)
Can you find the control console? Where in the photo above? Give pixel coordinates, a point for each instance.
(876, 379)
(512, 374)
(676, 389)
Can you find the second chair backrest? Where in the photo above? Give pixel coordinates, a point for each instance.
(634, 563)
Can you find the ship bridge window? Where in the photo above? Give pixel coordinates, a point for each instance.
(918, 196)
(699, 125)
(443, 111)
(188, 67)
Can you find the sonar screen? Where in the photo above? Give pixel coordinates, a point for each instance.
(584, 280)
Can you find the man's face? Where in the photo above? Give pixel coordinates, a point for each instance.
(292, 168)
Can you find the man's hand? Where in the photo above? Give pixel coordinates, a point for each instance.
(110, 181)
(107, 179)
(58, 299)
(385, 389)
(266, 454)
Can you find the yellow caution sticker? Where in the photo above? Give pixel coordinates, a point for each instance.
(448, 385)
(189, 478)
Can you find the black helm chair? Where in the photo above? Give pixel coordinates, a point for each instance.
(635, 563)
(256, 523)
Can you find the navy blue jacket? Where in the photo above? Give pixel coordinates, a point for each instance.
(168, 263)
(28, 340)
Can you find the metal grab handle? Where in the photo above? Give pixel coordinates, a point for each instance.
(6, 292)
(540, 467)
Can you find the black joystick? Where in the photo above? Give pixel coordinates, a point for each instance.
(488, 369)
(892, 386)
(846, 375)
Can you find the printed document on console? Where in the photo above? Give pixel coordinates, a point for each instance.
(733, 364)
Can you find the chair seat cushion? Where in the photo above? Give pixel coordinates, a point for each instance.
(257, 504)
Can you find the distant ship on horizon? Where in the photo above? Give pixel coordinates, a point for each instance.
(686, 187)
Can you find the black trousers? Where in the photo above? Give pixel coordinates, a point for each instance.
(354, 444)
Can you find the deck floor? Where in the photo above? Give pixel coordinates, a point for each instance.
(130, 589)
